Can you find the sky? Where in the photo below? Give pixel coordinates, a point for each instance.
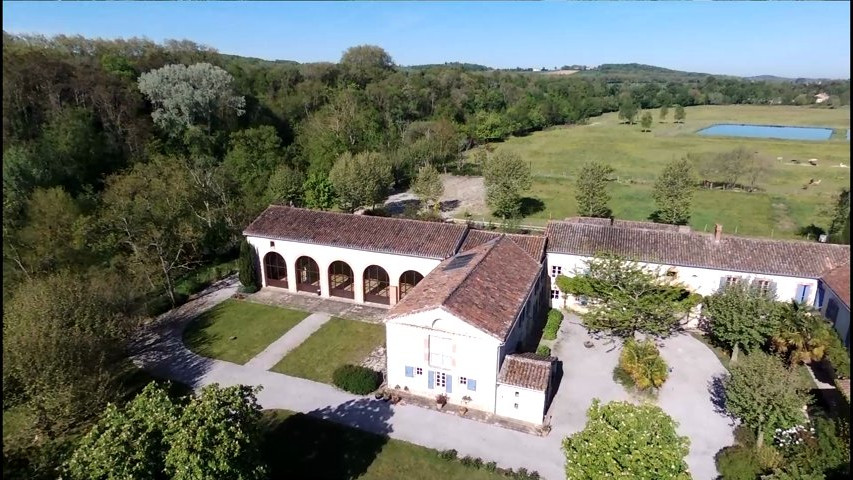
(790, 39)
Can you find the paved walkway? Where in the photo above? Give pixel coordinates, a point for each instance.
(287, 342)
(587, 375)
(161, 351)
(313, 303)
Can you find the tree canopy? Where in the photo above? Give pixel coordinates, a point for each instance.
(741, 315)
(673, 192)
(506, 177)
(591, 190)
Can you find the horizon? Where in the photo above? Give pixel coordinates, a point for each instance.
(780, 44)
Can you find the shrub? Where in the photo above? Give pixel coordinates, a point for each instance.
(738, 463)
(467, 460)
(477, 463)
(246, 267)
(642, 362)
(448, 454)
(544, 350)
(838, 357)
(555, 317)
(491, 466)
(356, 379)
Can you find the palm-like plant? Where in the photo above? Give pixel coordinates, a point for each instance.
(643, 363)
(803, 336)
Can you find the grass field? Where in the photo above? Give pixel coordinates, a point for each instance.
(779, 209)
(300, 446)
(336, 343)
(255, 326)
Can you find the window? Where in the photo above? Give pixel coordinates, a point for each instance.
(803, 293)
(440, 379)
(763, 285)
(272, 244)
(440, 352)
(419, 371)
(832, 310)
(409, 372)
(515, 405)
(730, 280)
(516, 394)
(556, 270)
(555, 294)
(463, 381)
(672, 272)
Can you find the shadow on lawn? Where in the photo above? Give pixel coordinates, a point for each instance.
(316, 445)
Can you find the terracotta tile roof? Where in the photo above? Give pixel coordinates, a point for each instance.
(694, 249)
(375, 234)
(534, 245)
(527, 370)
(838, 279)
(486, 286)
(844, 384)
(625, 223)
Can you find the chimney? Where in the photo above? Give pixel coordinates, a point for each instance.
(612, 221)
(718, 232)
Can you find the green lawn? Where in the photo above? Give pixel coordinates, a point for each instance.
(300, 446)
(336, 343)
(255, 326)
(779, 209)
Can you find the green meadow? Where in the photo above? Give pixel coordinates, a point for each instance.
(779, 209)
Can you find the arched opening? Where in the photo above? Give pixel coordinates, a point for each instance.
(376, 285)
(275, 270)
(341, 280)
(307, 275)
(408, 280)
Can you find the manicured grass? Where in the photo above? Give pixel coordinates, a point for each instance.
(779, 209)
(300, 446)
(255, 326)
(336, 343)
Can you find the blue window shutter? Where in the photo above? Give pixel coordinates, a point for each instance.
(801, 290)
(818, 301)
(410, 372)
(431, 381)
(472, 385)
(807, 290)
(449, 384)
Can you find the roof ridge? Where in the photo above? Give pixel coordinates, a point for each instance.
(345, 214)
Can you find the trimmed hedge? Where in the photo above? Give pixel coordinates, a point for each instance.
(356, 379)
(555, 317)
(544, 350)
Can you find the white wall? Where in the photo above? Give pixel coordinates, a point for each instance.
(475, 357)
(520, 403)
(704, 281)
(324, 255)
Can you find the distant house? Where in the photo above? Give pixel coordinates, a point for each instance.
(821, 97)
(702, 262)
(833, 299)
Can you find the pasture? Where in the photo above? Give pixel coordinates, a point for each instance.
(779, 209)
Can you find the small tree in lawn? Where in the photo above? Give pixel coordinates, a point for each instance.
(591, 190)
(646, 122)
(428, 186)
(764, 394)
(739, 316)
(506, 177)
(628, 110)
(246, 268)
(673, 192)
(630, 299)
(679, 115)
(625, 440)
(664, 111)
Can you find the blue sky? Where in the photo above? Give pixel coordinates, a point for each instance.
(794, 39)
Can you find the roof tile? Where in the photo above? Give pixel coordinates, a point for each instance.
(527, 370)
(838, 279)
(534, 245)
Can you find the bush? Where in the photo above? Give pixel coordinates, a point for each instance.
(642, 362)
(448, 454)
(356, 379)
(555, 317)
(491, 466)
(544, 350)
(246, 265)
(838, 358)
(467, 460)
(738, 463)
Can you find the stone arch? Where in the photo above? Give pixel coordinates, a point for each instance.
(341, 280)
(275, 270)
(307, 275)
(408, 280)
(376, 285)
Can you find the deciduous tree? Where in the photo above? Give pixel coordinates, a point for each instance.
(625, 440)
(361, 179)
(591, 190)
(628, 110)
(319, 192)
(764, 394)
(285, 187)
(253, 155)
(428, 186)
(646, 122)
(506, 177)
(673, 192)
(741, 315)
(664, 111)
(366, 63)
(680, 115)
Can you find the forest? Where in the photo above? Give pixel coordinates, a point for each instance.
(129, 166)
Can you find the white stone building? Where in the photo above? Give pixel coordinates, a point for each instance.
(701, 262)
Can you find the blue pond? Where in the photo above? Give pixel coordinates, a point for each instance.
(767, 131)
